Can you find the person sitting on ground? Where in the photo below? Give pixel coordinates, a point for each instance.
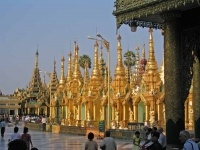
(27, 138)
(18, 144)
(108, 143)
(189, 144)
(162, 138)
(136, 141)
(91, 145)
(156, 145)
(15, 135)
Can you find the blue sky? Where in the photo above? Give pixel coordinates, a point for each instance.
(52, 24)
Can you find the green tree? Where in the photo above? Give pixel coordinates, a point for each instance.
(129, 62)
(83, 59)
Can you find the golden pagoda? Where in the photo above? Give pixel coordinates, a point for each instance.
(78, 101)
(148, 101)
(119, 103)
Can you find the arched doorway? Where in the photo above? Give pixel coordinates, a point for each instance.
(141, 112)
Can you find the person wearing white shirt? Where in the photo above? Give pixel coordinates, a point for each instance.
(15, 135)
(3, 127)
(44, 120)
(162, 138)
(184, 137)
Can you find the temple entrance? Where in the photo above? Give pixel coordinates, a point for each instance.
(141, 112)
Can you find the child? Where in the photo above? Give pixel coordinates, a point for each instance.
(136, 141)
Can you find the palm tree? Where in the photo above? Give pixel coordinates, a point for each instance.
(83, 59)
(129, 62)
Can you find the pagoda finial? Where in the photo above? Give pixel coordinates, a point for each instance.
(36, 59)
(119, 40)
(54, 64)
(76, 70)
(152, 64)
(95, 71)
(54, 82)
(143, 51)
(62, 74)
(119, 70)
(69, 71)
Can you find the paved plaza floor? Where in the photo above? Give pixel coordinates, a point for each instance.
(54, 141)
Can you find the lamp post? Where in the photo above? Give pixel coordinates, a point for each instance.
(106, 44)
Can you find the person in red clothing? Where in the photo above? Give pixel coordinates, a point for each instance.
(27, 138)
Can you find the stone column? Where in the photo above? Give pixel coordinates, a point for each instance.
(173, 76)
(196, 95)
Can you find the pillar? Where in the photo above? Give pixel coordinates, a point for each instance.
(113, 113)
(186, 113)
(173, 76)
(196, 96)
(38, 111)
(147, 113)
(94, 112)
(135, 113)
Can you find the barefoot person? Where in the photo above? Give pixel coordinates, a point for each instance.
(27, 138)
(15, 135)
(3, 127)
(91, 145)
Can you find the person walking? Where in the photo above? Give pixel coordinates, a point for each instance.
(15, 135)
(44, 121)
(136, 141)
(108, 143)
(3, 127)
(91, 145)
(189, 144)
(27, 138)
(162, 138)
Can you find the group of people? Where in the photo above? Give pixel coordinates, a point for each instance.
(149, 139)
(154, 139)
(108, 143)
(20, 141)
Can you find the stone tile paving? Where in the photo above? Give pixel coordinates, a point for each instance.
(53, 141)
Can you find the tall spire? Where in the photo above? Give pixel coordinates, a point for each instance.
(86, 73)
(143, 61)
(36, 58)
(101, 63)
(162, 70)
(143, 51)
(62, 74)
(95, 71)
(69, 71)
(76, 70)
(54, 79)
(136, 76)
(151, 63)
(95, 79)
(119, 70)
(44, 83)
(35, 83)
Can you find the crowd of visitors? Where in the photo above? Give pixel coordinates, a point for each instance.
(146, 139)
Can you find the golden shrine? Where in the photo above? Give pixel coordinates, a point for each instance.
(81, 101)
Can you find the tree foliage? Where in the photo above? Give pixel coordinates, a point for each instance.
(83, 59)
(129, 58)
